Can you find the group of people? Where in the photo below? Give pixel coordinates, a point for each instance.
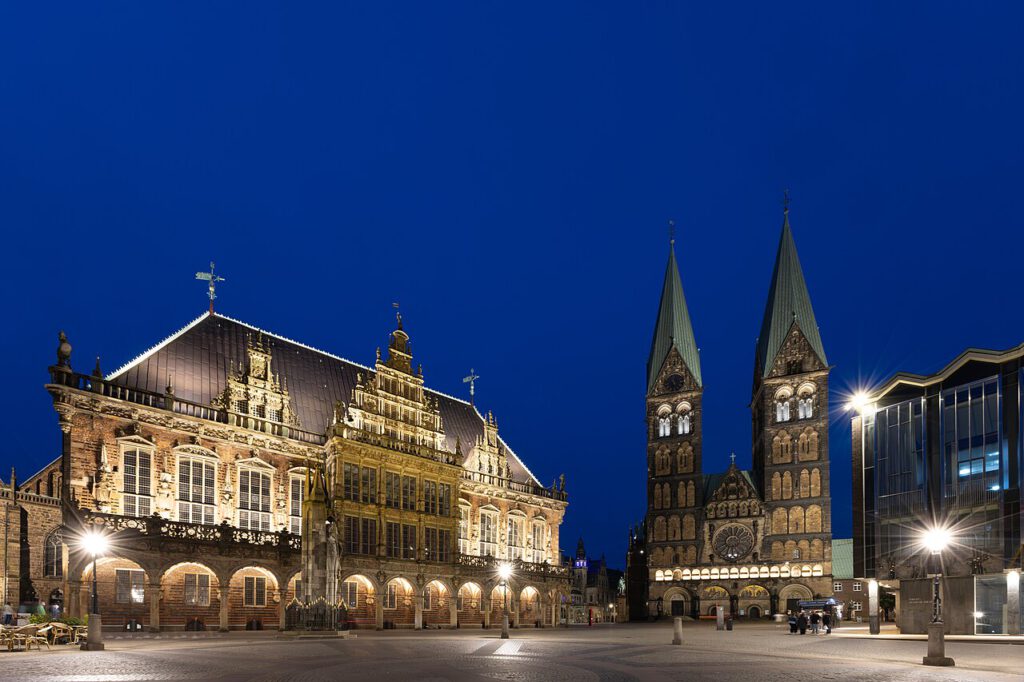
(35, 609)
(798, 622)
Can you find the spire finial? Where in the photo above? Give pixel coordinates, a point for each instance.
(671, 232)
(785, 201)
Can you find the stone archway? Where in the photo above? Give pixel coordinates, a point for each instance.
(437, 604)
(358, 594)
(530, 609)
(399, 598)
(469, 604)
(678, 602)
(122, 586)
(254, 599)
(792, 594)
(190, 597)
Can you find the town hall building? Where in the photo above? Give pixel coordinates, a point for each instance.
(751, 542)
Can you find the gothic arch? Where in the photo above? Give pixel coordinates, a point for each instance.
(666, 495)
(681, 495)
(816, 483)
(805, 483)
(778, 552)
(657, 496)
(684, 464)
(674, 532)
(813, 521)
(787, 486)
(659, 529)
(817, 549)
(779, 522)
(796, 520)
(689, 527)
(691, 496)
(776, 486)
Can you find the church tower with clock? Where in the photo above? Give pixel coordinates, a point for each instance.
(749, 542)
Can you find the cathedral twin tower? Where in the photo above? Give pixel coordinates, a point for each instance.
(750, 542)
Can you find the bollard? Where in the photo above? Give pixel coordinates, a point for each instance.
(677, 630)
(937, 646)
(719, 619)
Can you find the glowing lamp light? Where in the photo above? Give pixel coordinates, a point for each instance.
(95, 543)
(935, 540)
(860, 402)
(978, 614)
(504, 571)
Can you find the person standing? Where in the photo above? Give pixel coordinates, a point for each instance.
(792, 622)
(815, 622)
(801, 623)
(8, 613)
(826, 620)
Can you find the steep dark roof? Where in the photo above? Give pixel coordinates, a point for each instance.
(197, 359)
(673, 327)
(712, 481)
(788, 302)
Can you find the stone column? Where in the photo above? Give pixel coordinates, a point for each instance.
(1013, 603)
(153, 594)
(487, 611)
(417, 619)
(873, 626)
(74, 600)
(378, 606)
(453, 612)
(225, 609)
(542, 607)
(513, 611)
(282, 608)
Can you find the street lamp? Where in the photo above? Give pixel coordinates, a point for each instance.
(504, 572)
(935, 540)
(94, 543)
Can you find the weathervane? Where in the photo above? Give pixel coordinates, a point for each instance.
(212, 279)
(398, 314)
(473, 376)
(671, 232)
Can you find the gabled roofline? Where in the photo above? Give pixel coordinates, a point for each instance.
(922, 380)
(124, 368)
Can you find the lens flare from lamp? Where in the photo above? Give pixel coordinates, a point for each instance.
(935, 540)
(504, 571)
(95, 543)
(860, 401)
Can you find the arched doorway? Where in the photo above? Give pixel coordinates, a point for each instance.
(121, 585)
(791, 595)
(191, 598)
(436, 604)
(358, 597)
(714, 598)
(469, 605)
(253, 598)
(399, 605)
(678, 602)
(754, 612)
(502, 597)
(529, 607)
(754, 598)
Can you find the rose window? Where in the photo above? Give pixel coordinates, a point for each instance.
(733, 543)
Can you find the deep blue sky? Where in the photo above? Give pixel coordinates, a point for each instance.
(505, 171)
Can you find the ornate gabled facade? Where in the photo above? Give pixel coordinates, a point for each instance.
(238, 472)
(750, 542)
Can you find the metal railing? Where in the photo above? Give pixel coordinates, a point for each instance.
(156, 526)
(516, 486)
(517, 565)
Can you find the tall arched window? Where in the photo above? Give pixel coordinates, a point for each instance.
(782, 410)
(664, 427)
(197, 476)
(53, 559)
(684, 424)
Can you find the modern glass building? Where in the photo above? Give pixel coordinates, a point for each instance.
(941, 449)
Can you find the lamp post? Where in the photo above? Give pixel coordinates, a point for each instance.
(935, 540)
(95, 544)
(504, 572)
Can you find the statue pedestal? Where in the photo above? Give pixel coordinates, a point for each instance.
(937, 646)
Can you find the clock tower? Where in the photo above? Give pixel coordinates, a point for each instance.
(674, 389)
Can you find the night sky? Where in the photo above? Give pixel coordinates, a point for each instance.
(506, 171)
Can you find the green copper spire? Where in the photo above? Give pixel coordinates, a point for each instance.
(673, 329)
(788, 302)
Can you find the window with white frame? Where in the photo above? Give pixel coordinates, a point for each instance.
(664, 427)
(129, 586)
(197, 497)
(197, 589)
(254, 499)
(805, 407)
(514, 544)
(255, 593)
(782, 410)
(137, 479)
(539, 542)
(488, 533)
(837, 587)
(350, 593)
(463, 529)
(857, 587)
(295, 493)
(683, 424)
(855, 606)
(391, 595)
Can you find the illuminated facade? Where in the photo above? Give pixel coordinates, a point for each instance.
(198, 458)
(750, 542)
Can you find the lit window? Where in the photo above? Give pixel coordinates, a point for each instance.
(296, 493)
(463, 529)
(664, 427)
(129, 585)
(350, 593)
(53, 563)
(782, 411)
(515, 538)
(197, 589)
(253, 500)
(488, 534)
(684, 424)
(391, 596)
(137, 473)
(255, 591)
(197, 501)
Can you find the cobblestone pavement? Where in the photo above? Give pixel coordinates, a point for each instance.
(764, 653)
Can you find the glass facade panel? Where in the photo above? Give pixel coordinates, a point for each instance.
(990, 605)
(900, 475)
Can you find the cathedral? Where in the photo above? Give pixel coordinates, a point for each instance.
(752, 543)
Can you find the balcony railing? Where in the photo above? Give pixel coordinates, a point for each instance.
(390, 443)
(515, 486)
(158, 527)
(517, 566)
